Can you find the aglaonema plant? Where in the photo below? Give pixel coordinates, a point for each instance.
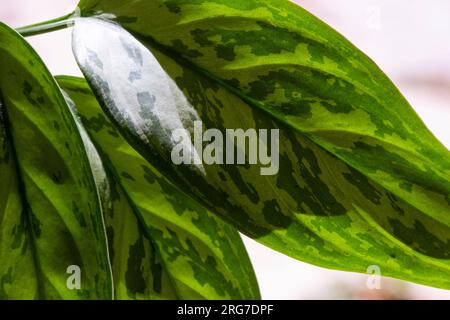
(87, 178)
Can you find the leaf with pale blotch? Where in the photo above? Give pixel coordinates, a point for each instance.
(50, 216)
(333, 202)
(288, 63)
(202, 256)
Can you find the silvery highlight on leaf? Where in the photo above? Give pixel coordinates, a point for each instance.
(194, 125)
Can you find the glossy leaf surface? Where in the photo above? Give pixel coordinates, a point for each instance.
(51, 224)
(320, 207)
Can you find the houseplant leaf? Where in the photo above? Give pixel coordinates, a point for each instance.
(295, 67)
(137, 269)
(50, 216)
(320, 208)
(203, 257)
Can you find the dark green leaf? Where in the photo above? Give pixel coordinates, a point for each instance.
(361, 182)
(50, 216)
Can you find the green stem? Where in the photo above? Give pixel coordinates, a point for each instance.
(47, 26)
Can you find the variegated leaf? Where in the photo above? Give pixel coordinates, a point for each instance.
(321, 207)
(288, 63)
(50, 217)
(138, 273)
(202, 257)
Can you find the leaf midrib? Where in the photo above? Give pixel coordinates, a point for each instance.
(252, 102)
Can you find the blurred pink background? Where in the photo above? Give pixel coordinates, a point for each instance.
(407, 38)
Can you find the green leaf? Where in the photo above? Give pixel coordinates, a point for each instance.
(202, 256)
(362, 181)
(136, 265)
(292, 65)
(50, 215)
